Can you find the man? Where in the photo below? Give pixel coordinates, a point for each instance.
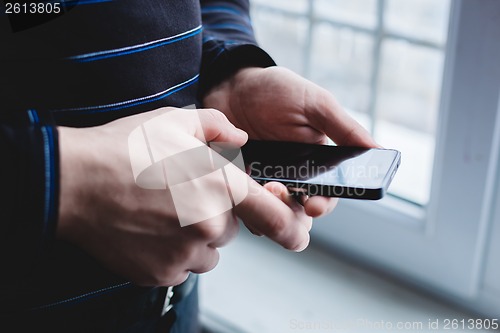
(84, 247)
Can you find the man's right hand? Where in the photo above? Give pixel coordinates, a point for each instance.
(136, 232)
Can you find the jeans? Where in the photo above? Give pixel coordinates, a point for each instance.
(128, 310)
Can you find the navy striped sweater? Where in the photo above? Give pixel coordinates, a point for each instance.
(101, 60)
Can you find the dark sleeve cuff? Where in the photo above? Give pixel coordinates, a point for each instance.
(29, 200)
(221, 60)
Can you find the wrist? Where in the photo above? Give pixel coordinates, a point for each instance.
(226, 95)
(79, 169)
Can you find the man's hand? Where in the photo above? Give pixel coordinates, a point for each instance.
(136, 231)
(276, 104)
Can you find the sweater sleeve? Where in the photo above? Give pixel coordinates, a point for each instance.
(228, 42)
(29, 195)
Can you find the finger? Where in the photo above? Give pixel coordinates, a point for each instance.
(264, 212)
(325, 114)
(281, 192)
(216, 127)
(206, 260)
(171, 281)
(318, 206)
(228, 231)
(254, 232)
(216, 231)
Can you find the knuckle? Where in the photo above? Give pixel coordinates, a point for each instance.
(165, 109)
(168, 275)
(183, 254)
(213, 263)
(207, 267)
(276, 226)
(215, 227)
(209, 263)
(176, 280)
(216, 115)
(208, 231)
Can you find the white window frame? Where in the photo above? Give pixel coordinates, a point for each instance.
(442, 246)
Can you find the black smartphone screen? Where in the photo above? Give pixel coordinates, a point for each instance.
(350, 172)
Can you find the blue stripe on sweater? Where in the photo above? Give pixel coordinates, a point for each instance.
(136, 48)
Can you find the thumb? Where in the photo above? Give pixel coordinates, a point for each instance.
(327, 116)
(215, 127)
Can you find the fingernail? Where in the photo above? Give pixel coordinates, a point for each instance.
(303, 245)
(241, 133)
(255, 233)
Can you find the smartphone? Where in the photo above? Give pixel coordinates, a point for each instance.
(332, 171)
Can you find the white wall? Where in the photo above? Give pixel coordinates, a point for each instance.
(492, 273)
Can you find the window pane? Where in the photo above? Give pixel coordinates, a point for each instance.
(341, 61)
(407, 108)
(282, 37)
(358, 12)
(409, 85)
(425, 19)
(298, 6)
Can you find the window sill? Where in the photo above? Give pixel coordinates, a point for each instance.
(258, 287)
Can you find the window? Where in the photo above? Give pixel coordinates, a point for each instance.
(383, 59)
(424, 77)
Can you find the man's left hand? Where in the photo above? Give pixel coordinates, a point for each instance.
(276, 104)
